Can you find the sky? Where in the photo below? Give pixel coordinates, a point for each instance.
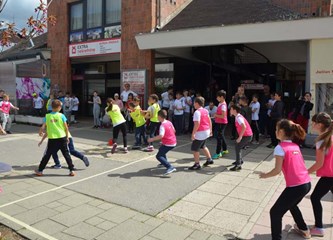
(19, 11)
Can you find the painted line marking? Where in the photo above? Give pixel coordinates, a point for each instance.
(26, 226)
(83, 179)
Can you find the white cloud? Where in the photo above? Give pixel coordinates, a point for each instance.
(19, 11)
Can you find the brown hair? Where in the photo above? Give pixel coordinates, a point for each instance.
(236, 108)
(56, 103)
(109, 101)
(327, 128)
(154, 97)
(200, 101)
(131, 104)
(162, 113)
(136, 99)
(291, 130)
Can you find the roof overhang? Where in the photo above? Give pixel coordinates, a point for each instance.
(305, 29)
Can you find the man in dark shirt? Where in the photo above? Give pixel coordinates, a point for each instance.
(276, 115)
(302, 111)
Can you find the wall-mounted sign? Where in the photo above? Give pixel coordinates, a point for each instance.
(94, 34)
(95, 48)
(138, 82)
(76, 37)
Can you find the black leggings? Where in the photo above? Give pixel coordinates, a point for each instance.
(323, 186)
(221, 143)
(255, 129)
(288, 200)
(122, 128)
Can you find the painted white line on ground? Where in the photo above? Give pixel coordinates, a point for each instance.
(83, 179)
(26, 226)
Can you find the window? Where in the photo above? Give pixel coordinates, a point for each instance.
(76, 16)
(94, 13)
(113, 11)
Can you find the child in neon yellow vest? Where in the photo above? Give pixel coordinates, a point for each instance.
(57, 133)
(140, 123)
(118, 122)
(152, 115)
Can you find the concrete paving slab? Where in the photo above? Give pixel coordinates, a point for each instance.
(49, 227)
(254, 195)
(238, 206)
(225, 220)
(198, 235)
(36, 215)
(84, 231)
(217, 188)
(137, 231)
(76, 215)
(95, 221)
(203, 198)
(106, 225)
(189, 210)
(118, 214)
(170, 231)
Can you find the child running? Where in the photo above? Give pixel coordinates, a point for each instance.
(118, 123)
(289, 160)
(221, 121)
(5, 107)
(244, 136)
(71, 148)
(322, 123)
(152, 115)
(202, 130)
(140, 123)
(57, 133)
(168, 137)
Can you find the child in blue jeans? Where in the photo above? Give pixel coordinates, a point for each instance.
(72, 151)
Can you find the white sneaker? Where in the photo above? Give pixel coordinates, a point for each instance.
(149, 149)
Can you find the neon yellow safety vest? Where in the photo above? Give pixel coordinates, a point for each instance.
(116, 116)
(138, 118)
(55, 125)
(156, 108)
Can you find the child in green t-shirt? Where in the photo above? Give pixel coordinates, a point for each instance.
(140, 123)
(57, 133)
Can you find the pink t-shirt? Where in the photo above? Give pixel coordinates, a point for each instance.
(167, 131)
(222, 107)
(204, 119)
(239, 121)
(5, 106)
(327, 169)
(293, 168)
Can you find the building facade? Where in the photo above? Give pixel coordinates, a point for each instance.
(309, 8)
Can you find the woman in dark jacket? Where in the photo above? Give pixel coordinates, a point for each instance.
(302, 111)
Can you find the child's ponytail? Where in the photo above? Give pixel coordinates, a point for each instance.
(299, 133)
(327, 128)
(292, 130)
(110, 105)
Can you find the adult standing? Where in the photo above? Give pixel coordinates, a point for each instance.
(234, 101)
(38, 103)
(302, 111)
(276, 115)
(96, 109)
(67, 107)
(263, 117)
(118, 102)
(125, 92)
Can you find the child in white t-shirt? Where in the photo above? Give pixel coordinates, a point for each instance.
(255, 107)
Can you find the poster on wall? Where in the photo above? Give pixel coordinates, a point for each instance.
(76, 37)
(138, 83)
(26, 86)
(94, 34)
(112, 32)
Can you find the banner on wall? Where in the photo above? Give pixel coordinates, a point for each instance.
(138, 82)
(95, 48)
(26, 86)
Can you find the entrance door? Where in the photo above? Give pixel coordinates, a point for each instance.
(92, 85)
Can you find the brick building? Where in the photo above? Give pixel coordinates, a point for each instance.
(97, 44)
(310, 8)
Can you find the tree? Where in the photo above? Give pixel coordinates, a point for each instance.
(36, 25)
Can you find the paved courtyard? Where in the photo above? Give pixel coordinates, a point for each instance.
(126, 196)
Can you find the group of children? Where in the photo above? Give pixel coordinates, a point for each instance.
(290, 161)
(287, 154)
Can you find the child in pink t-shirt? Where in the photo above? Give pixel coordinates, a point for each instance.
(322, 124)
(5, 107)
(167, 134)
(289, 160)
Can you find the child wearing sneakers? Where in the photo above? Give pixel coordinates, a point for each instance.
(118, 123)
(244, 136)
(255, 107)
(202, 130)
(221, 121)
(71, 148)
(5, 107)
(152, 115)
(289, 160)
(322, 123)
(169, 141)
(140, 123)
(57, 133)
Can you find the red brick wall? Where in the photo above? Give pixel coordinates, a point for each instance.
(170, 6)
(308, 7)
(58, 42)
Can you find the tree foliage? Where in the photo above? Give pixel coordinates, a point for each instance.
(36, 25)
